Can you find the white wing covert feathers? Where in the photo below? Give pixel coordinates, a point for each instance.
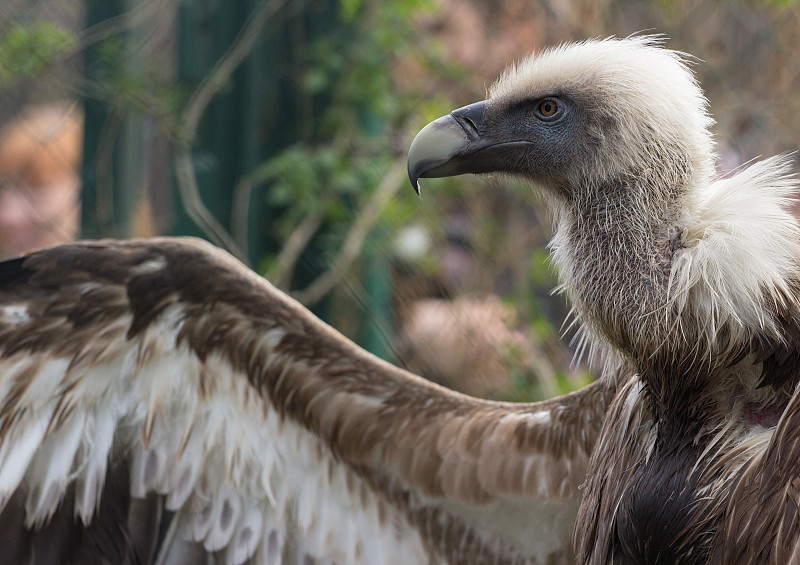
(160, 381)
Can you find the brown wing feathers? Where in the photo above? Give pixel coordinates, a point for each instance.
(399, 433)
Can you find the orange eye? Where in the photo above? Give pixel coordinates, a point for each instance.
(548, 108)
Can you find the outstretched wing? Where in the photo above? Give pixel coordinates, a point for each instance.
(161, 403)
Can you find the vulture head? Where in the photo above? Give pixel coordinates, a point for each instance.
(579, 119)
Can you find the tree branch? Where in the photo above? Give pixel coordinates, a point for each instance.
(354, 241)
(297, 241)
(199, 101)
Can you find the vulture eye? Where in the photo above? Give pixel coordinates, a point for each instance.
(548, 108)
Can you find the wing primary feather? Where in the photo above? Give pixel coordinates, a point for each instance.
(50, 470)
(185, 472)
(224, 517)
(247, 537)
(17, 451)
(270, 550)
(145, 470)
(89, 483)
(202, 517)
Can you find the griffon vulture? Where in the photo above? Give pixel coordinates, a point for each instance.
(161, 403)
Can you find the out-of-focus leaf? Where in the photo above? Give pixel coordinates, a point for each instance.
(26, 50)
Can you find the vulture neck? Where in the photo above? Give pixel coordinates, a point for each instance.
(683, 279)
(614, 247)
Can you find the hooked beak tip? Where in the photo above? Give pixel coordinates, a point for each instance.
(433, 147)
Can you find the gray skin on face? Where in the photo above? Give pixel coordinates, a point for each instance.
(534, 138)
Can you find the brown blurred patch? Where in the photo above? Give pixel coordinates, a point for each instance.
(471, 344)
(40, 156)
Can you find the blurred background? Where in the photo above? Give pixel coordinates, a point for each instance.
(278, 130)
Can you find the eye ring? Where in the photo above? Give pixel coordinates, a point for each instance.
(548, 109)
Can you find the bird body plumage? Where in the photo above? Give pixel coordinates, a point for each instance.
(687, 283)
(161, 403)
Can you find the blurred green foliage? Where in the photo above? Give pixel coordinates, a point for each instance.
(121, 77)
(26, 50)
(360, 122)
(130, 83)
(353, 62)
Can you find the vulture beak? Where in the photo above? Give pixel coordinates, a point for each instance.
(457, 144)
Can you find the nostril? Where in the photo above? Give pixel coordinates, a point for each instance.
(470, 118)
(469, 126)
